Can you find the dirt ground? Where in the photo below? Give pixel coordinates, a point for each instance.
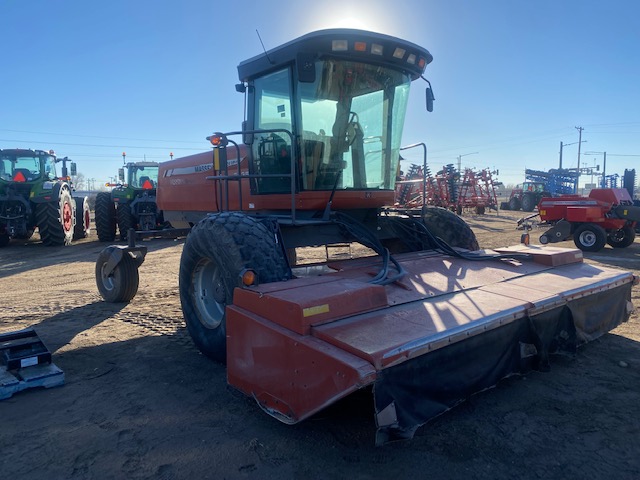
(139, 401)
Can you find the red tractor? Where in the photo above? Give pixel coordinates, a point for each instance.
(606, 216)
(422, 321)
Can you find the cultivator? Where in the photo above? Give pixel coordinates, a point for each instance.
(475, 191)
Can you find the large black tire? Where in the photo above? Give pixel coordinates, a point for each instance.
(125, 219)
(4, 239)
(528, 202)
(105, 217)
(83, 218)
(514, 203)
(590, 237)
(450, 228)
(56, 220)
(121, 285)
(621, 238)
(217, 250)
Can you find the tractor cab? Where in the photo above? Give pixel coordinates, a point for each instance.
(140, 175)
(325, 113)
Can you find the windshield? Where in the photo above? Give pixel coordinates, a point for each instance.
(25, 167)
(352, 119)
(143, 176)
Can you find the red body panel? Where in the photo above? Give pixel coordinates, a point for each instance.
(591, 209)
(183, 187)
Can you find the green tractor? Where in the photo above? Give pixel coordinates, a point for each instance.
(131, 203)
(33, 195)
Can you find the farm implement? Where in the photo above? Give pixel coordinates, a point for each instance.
(424, 319)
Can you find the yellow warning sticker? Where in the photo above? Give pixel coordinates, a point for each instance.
(317, 310)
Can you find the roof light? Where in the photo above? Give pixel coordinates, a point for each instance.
(360, 46)
(422, 62)
(339, 45)
(376, 49)
(399, 52)
(411, 59)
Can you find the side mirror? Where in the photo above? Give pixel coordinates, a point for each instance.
(121, 175)
(430, 98)
(73, 168)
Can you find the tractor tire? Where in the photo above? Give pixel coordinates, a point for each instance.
(105, 217)
(83, 218)
(505, 206)
(121, 285)
(217, 250)
(590, 237)
(4, 240)
(125, 219)
(514, 203)
(528, 202)
(56, 220)
(622, 238)
(450, 228)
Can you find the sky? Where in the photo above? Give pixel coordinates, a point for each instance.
(512, 78)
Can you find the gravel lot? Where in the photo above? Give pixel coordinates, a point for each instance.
(139, 401)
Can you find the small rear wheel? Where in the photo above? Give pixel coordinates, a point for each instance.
(121, 284)
(621, 238)
(590, 237)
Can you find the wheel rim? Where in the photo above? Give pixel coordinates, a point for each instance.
(209, 293)
(67, 212)
(588, 238)
(107, 279)
(87, 219)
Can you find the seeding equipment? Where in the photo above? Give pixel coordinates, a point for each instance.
(423, 321)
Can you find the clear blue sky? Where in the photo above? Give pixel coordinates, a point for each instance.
(512, 78)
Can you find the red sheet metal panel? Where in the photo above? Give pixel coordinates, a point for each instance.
(585, 214)
(291, 376)
(303, 305)
(430, 324)
(546, 254)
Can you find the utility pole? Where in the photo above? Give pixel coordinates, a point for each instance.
(579, 144)
(460, 159)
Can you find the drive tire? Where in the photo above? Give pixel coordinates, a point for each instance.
(528, 202)
(622, 238)
(105, 217)
(56, 220)
(590, 237)
(121, 285)
(125, 219)
(216, 252)
(450, 228)
(83, 218)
